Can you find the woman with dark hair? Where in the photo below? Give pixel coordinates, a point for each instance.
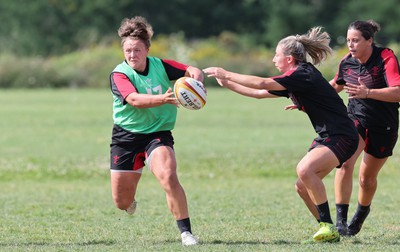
(370, 75)
(144, 113)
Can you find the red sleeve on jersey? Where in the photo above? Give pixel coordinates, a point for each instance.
(123, 84)
(391, 68)
(176, 64)
(287, 73)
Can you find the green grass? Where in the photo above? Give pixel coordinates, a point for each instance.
(236, 159)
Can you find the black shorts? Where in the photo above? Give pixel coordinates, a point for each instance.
(379, 142)
(129, 150)
(342, 146)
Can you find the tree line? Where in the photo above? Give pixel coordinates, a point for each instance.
(54, 27)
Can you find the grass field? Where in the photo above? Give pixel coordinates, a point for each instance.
(236, 160)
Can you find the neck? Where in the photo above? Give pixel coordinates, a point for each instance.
(365, 57)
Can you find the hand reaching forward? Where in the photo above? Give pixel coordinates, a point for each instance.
(216, 72)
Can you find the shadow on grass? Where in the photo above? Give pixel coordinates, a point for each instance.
(277, 242)
(344, 241)
(255, 242)
(58, 244)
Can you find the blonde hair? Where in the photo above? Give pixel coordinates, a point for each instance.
(136, 28)
(315, 43)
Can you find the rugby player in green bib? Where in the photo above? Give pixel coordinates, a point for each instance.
(144, 113)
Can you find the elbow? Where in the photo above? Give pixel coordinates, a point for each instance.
(134, 103)
(397, 94)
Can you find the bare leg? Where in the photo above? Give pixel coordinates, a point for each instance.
(344, 176)
(303, 193)
(368, 182)
(123, 187)
(163, 165)
(318, 162)
(344, 187)
(369, 169)
(314, 166)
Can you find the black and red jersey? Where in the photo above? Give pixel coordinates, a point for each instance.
(380, 71)
(311, 93)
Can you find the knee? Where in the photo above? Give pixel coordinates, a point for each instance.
(367, 183)
(169, 181)
(346, 168)
(122, 203)
(303, 174)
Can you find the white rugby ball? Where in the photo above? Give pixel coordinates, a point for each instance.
(190, 93)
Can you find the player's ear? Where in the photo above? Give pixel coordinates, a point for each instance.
(290, 59)
(370, 41)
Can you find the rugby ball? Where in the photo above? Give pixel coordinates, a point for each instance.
(190, 93)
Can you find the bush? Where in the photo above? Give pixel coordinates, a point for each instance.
(87, 68)
(91, 67)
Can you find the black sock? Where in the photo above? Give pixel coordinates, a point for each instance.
(324, 214)
(363, 209)
(358, 219)
(341, 212)
(361, 213)
(184, 225)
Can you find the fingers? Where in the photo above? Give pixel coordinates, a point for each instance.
(362, 83)
(209, 71)
(215, 72)
(221, 82)
(172, 100)
(359, 91)
(169, 93)
(290, 107)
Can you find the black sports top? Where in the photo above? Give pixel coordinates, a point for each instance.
(311, 93)
(380, 71)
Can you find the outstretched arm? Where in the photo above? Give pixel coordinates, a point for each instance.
(246, 91)
(249, 81)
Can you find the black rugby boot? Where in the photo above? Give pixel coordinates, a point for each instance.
(342, 227)
(357, 222)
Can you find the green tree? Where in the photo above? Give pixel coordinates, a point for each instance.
(386, 13)
(45, 27)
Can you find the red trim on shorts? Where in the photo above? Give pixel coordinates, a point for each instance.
(366, 140)
(138, 162)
